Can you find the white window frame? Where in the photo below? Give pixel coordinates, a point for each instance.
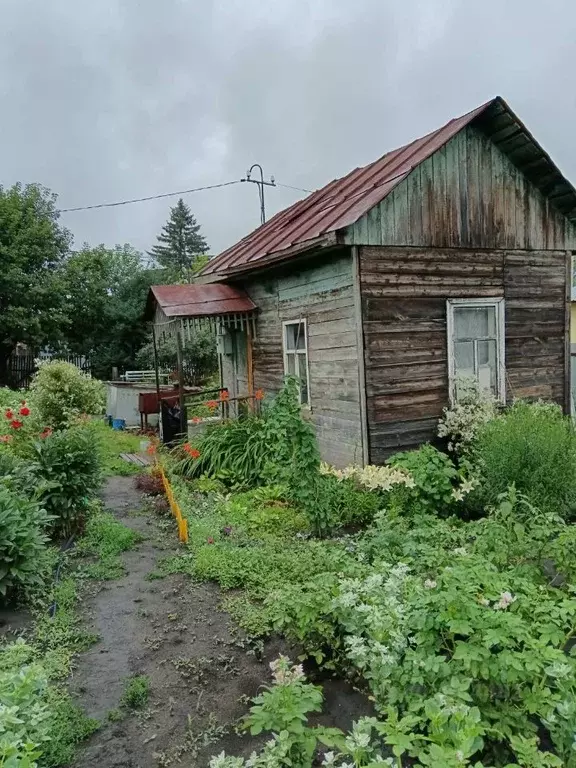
(499, 306)
(285, 325)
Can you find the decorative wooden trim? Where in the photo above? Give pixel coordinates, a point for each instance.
(360, 352)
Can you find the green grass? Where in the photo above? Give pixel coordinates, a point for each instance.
(56, 637)
(105, 539)
(136, 692)
(111, 443)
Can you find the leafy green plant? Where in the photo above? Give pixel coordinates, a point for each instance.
(23, 542)
(533, 447)
(233, 452)
(67, 462)
(24, 716)
(62, 393)
(434, 479)
(137, 692)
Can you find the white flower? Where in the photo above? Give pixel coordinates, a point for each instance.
(329, 759)
(483, 601)
(460, 551)
(506, 600)
(430, 584)
(457, 494)
(284, 672)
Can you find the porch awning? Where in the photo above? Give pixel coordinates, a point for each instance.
(199, 305)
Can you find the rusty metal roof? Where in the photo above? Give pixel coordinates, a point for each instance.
(195, 300)
(315, 220)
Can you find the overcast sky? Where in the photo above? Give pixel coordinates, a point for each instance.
(103, 100)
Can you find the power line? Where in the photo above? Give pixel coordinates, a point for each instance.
(289, 186)
(151, 197)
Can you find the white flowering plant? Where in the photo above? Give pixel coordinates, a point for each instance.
(462, 420)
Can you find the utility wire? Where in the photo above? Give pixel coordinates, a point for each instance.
(289, 186)
(171, 194)
(151, 197)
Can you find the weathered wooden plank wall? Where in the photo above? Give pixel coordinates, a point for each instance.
(467, 195)
(404, 293)
(322, 293)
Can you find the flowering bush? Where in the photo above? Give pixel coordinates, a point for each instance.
(462, 421)
(382, 478)
(62, 393)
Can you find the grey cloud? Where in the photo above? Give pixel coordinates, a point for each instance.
(126, 98)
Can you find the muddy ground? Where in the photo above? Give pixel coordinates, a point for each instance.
(202, 672)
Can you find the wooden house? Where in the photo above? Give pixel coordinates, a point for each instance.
(449, 256)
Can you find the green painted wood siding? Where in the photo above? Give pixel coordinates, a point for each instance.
(467, 195)
(323, 294)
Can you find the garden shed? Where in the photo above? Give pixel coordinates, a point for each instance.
(449, 256)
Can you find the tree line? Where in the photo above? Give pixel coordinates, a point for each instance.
(88, 301)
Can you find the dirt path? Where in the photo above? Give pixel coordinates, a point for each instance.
(172, 631)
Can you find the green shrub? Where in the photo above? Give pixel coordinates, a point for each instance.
(434, 476)
(22, 542)
(68, 463)
(533, 447)
(62, 393)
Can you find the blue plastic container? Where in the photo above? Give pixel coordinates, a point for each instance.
(118, 423)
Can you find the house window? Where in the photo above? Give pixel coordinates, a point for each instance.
(296, 356)
(476, 345)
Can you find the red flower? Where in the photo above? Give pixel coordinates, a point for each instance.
(24, 411)
(224, 396)
(210, 540)
(15, 424)
(46, 433)
(5, 438)
(193, 452)
(212, 404)
(9, 414)
(259, 394)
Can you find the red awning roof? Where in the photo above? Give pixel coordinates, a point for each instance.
(197, 300)
(315, 220)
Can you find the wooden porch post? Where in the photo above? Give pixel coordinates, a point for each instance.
(180, 364)
(249, 365)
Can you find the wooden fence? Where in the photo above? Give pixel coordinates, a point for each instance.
(21, 368)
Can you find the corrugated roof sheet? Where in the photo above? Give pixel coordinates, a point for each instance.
(196, 300)
(343, 201)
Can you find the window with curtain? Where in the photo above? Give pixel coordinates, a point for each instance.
(296, 356)
(476, 345)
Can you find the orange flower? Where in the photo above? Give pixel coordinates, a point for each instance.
(193, 452)
(259, 394)
(212, 404)
(196, 420)
(151, 449)
(224, 396)
(46, 433)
